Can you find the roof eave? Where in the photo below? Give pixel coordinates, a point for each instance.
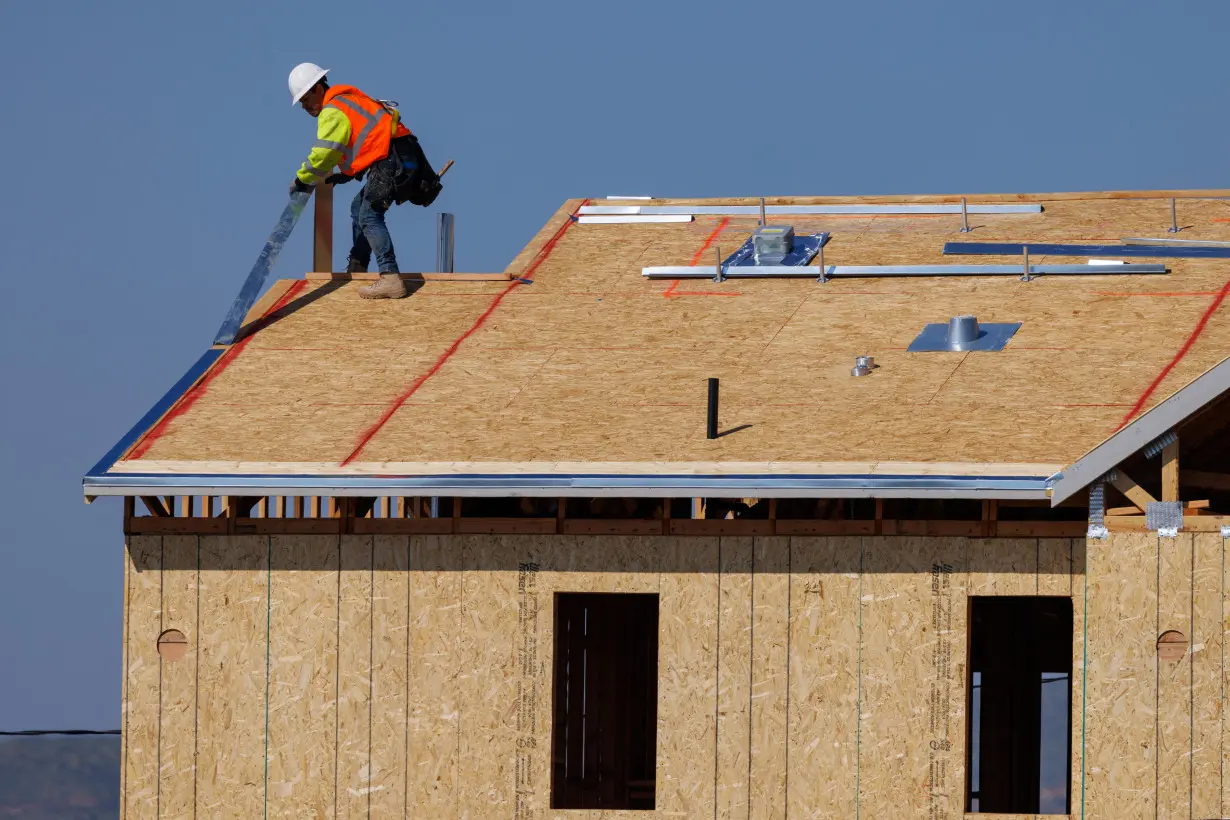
(576, 485)
(1128, 440)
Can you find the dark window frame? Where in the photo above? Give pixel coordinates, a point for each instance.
(604, 701)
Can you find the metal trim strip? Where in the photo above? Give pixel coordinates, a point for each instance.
(155, 413)
(813, 272)
(841, 486)
(1040, 249)
(809, 210)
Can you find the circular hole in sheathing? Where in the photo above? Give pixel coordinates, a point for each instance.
(1171, 646)
(172, 645)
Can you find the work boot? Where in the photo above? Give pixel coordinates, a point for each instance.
(355, 267)
(390, 286)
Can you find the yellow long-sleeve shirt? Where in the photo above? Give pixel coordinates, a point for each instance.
(332, 137)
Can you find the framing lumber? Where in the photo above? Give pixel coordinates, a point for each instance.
(316, 276)
(1191, 523)
(155, 506)
(1134, 492)
(1170, 471)
(322, 228)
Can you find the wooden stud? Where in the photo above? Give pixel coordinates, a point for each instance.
(990, 517)
(281, 506)
(262, 507)
(879, 525)
(185, 506)
(208, 507)
(666, 515)
(560, 511)
(130, 510)
(314, 507)
(1134, 492)
(404, 506)
(1170, 471)
(322, 229)
(773, 515)
(386, 506)
(456, 511)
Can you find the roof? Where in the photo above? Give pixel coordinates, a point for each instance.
(587, 376)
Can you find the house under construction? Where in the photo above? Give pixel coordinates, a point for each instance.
(946, 537)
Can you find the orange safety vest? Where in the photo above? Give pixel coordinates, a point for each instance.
(371, 127)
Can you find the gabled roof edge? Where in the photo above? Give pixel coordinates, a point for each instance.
(1112, 452)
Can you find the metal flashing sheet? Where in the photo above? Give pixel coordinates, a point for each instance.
(156, 412)
(854, 271)
(561, 484)
(633, 219)
(1195, 243)
(805, 249)
(991, 336)
(808, 210)
(260, 270)
(1041, 249)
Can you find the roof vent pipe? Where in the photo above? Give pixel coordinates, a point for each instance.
(962, 330)
(444, 243)
(863, 365)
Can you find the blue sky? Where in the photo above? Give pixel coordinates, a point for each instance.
(150, 146)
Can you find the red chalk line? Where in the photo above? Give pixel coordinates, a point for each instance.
(200, 388)
(721, 226)
(1183, 351)
(405, 396)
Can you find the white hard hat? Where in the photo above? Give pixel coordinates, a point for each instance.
(302, 78)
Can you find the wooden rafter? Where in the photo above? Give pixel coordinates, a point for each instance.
(1134, 492)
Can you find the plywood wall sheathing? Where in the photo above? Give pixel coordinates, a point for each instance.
(141, 716)
(734, 678)
(434, 700)
(178, 712)
(303, 676)
(1174, 679)
(914, 666)
(687, 659)
(1206, 658)
(824, 677)
(231, 677)
(808, 677)
(771, 599)
(354, 681)
(390, 660)
(1120, 734)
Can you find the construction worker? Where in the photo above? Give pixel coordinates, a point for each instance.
(354, 132)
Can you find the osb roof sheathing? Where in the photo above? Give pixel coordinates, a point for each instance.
(594, 366)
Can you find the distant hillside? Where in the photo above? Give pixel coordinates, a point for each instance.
(66, 778)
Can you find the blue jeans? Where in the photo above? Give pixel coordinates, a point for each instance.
(371, 234)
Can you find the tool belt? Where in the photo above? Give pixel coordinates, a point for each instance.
(413, 178)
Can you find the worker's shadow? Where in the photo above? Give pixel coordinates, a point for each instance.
(303, 301)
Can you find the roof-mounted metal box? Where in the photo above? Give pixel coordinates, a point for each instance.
(772, 244)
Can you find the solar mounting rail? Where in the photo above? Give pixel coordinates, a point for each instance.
(855, 271)
(1046, 249)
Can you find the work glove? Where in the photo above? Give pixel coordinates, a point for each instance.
(299, 186)
(338, 179)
